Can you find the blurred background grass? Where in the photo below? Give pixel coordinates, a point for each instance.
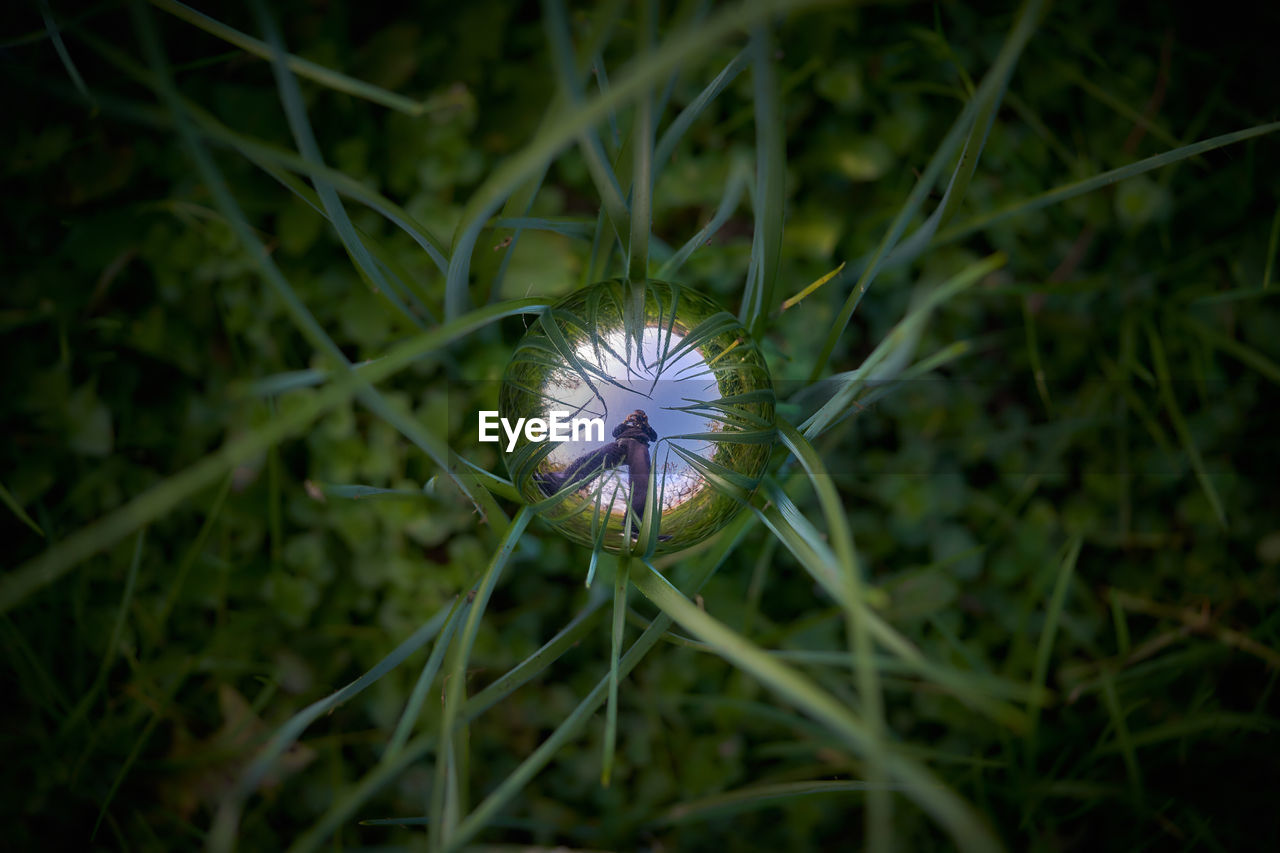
(1130, 339)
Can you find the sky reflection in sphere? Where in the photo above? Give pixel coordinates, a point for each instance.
(614, 349)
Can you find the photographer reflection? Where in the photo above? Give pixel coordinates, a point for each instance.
(630, 447)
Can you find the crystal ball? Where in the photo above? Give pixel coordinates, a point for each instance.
(641, 416)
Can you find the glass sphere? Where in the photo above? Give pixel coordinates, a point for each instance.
(634, 394)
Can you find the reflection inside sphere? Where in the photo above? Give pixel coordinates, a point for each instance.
(680, 405)
(643, 391)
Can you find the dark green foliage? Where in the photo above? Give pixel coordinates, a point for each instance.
(1078, 490)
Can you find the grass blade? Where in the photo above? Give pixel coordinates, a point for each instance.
(985, 101)
(222, 834)
(737, 182)
(879, 804)
(1105, 179)
(672, 135)
(113, 644)
(264, 154)
(642, 152)
(418, 697)
(891, 355)
(1044, 649)
(517, 779)
(1180, 426)
(676, 49)
(1242, 353)
(444, 796)
(302, 317)
(55, 35)
(16, 508)
(919, 784)
(756, 797)
(770, 198)
(1272, 241)
(326, 77)
(556, 24)
(611, 706)
(296, 113)
(21, 582)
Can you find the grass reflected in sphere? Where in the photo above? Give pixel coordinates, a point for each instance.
(687, 404)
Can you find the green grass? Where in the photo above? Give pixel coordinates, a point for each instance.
(1007, 583)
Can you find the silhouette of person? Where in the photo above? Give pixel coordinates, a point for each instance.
(630, 447)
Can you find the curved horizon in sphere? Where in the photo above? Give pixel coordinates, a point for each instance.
(686, 404)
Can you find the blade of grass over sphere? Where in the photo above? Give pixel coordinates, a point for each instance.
(418, 697)
(1044, 649)
(55, 36)
(1180, 425)
(919, 784)
(676, 130)
(556, 24)
(444, 794)
(642, 152)
(739, 175)
(1103, 179)
(770, 198)
(436, 449)
(985, 101)
(620, 582)
(326, 77)
(879, 803)
(99, 535)
(588, 373)
(263, 153)
(634, 80)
